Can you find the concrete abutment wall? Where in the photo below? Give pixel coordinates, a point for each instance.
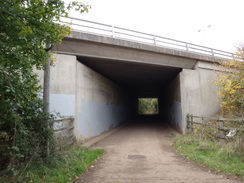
(100, 103)
(170, 104)
(191, 92)
(199, 94)
(96, 103)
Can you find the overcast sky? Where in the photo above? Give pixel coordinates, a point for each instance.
(176, 19)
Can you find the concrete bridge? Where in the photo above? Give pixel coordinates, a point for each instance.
(99, 78)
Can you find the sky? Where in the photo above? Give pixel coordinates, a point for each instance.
(176, 19)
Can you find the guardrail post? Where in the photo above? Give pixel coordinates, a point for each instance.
(113, 34)
(212, 52)
(154, 40)
(187, 48)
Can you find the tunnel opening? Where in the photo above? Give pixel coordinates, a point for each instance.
(147, 106)
(127, 90)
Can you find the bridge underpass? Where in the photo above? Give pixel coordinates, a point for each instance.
(139, 79)
(98, 80)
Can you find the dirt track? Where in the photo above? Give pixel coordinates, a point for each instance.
(140, 152)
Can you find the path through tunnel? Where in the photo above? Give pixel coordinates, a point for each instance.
(141, 80)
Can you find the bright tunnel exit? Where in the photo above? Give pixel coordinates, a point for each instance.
(147, 106)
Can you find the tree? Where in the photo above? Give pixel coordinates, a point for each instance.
(25, 27)
(231, 83)
(147, 106)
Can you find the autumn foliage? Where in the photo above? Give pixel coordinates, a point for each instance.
(231, 83)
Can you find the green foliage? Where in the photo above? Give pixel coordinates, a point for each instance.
(220, 158)
(25, 25)
(147, 105)
(62, 169)
(231, 84)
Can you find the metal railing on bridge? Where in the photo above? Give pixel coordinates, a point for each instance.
(127, 34)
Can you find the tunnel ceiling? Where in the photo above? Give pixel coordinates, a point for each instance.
(145, 80)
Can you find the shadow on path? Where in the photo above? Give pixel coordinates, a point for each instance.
(140, 152)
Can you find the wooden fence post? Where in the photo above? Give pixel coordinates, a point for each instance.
(187, 123)
(220, 129)
(202, 126)
(192, 125)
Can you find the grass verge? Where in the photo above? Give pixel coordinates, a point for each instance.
(64, 169)
(220, 158)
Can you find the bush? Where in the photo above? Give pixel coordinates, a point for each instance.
(231, 83)
(64, 167)
(222, 158)
(25, 25)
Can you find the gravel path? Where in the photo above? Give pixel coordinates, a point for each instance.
(140, 152)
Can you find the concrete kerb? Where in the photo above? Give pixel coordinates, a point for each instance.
(92, 141)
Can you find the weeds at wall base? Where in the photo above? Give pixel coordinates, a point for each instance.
(66, 167)
(226, 158)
